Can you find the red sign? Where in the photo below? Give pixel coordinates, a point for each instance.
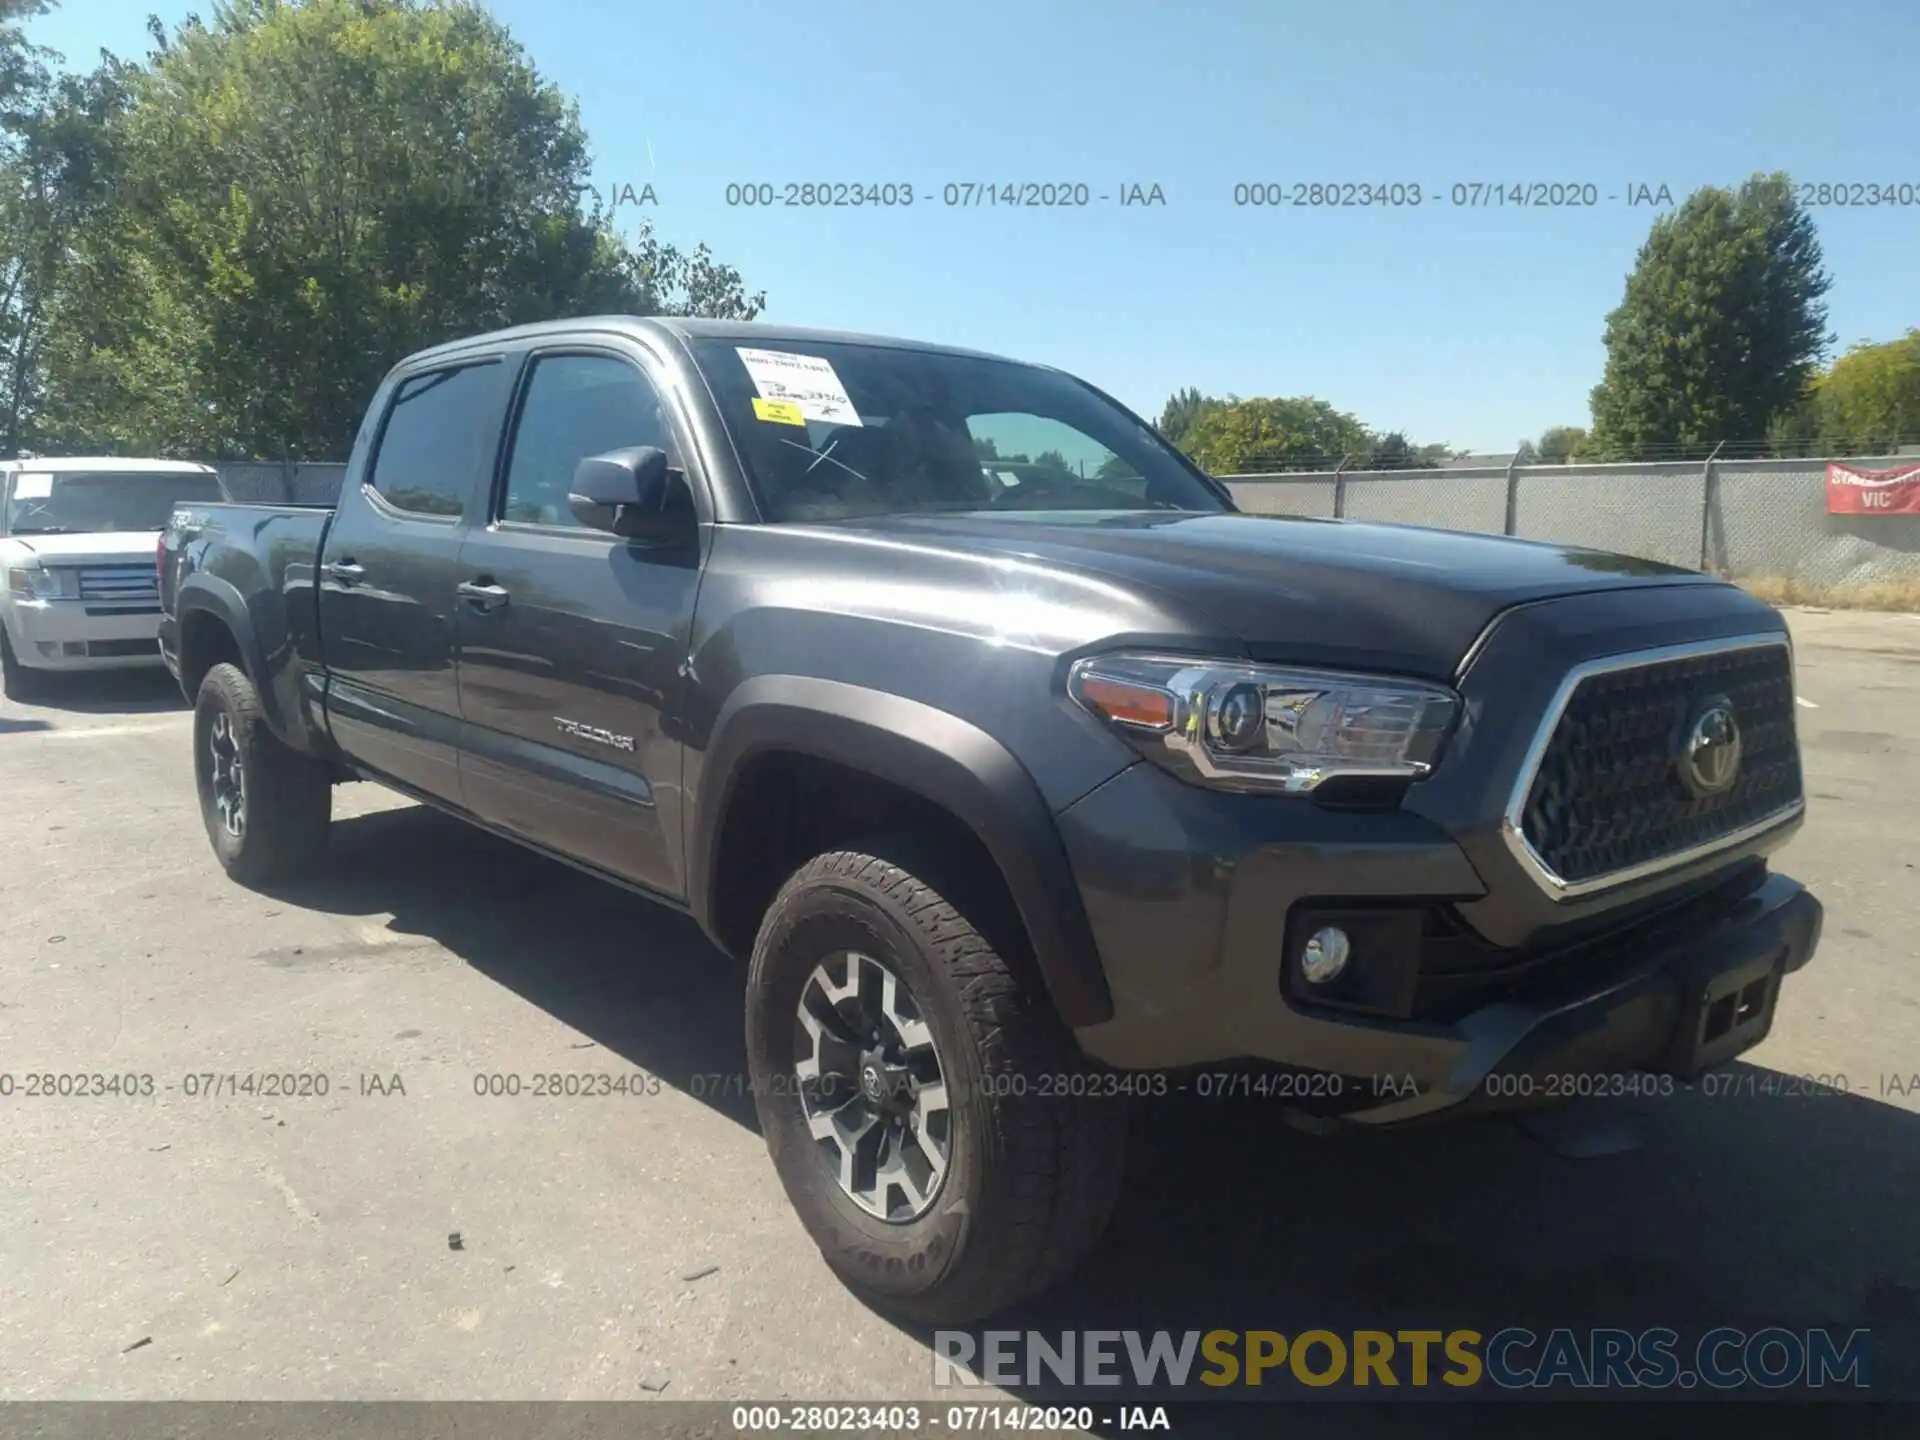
(1873, 492)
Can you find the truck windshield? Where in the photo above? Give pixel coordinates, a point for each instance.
(92, 502)
(830, 431)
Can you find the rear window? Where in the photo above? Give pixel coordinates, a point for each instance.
(439, 437)
(90, 502)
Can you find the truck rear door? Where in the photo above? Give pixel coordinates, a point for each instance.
(387, 571)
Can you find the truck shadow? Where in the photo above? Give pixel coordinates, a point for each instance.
(1747, 1208)
(636, 977)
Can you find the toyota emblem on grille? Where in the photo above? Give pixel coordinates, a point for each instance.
(1709, 759)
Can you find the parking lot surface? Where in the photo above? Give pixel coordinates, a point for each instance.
(403, 1225)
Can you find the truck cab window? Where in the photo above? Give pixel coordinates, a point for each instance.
(437, 434)
(576, 406)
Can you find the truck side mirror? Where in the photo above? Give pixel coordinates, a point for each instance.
(631, 493)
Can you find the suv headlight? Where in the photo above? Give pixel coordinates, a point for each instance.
(1271, 728)
(33, 583)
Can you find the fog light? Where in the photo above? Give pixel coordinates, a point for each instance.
(1324, 955)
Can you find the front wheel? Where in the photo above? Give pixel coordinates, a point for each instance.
(915, 1094)
(19, 683)
(266, 807)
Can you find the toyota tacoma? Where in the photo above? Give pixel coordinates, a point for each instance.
(1023, 771)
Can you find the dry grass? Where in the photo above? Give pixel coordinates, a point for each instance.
(1872, 595)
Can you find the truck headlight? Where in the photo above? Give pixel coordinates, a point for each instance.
(33, 583)
(1271, 728)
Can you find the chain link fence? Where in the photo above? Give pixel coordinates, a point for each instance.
(1746, 519)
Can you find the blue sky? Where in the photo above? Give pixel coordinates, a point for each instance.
(1474, 326)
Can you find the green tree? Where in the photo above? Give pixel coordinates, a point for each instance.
(1721, 325)
(309, 190)
(1182, 410)
(23, 65)
(1300, 433)
(1392, 451)
(1870, 397)
(1559, 444)
(24, 84)
(55, 184)
(1525, 454)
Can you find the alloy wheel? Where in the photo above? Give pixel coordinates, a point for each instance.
(228, 778)
(872, 1086)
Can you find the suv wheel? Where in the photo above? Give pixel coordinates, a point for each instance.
(266, 807)
(910, 1087)
(19, 682)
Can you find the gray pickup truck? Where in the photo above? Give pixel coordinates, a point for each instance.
(1026, 774)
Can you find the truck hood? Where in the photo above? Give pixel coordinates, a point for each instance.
(1307, 591)
(111, 547)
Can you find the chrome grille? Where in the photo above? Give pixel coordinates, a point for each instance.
(1601, 800)
(119, 582)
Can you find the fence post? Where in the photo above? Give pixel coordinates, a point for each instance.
(1513, 494)
(1340, 488)
(1706, 503)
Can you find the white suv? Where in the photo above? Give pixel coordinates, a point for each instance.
(77, 581)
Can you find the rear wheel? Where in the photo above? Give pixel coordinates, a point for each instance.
(266, 807)
(915, 1092)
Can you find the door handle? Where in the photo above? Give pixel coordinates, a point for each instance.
(345, 571)
(482, 596)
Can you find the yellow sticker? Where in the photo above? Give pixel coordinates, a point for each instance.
(780, 412)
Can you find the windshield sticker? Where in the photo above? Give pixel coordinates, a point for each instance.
(32, 487)
(807, 381)
(780, 412)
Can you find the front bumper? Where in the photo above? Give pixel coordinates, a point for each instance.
(1191, 893)
(82, 635)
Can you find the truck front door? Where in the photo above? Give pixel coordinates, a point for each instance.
(387, 576)
(571, 639)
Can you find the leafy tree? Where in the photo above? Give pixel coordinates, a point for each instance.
(1243, 436)
(1796, 431)
(23, 65)
(1525, 454)
(24, 83)
(1870, 397)
(308, 190)
(1721, 324)
(1182, 410)
(1392, 451)
(55, 183)
(1053, 460)
(1559, 444)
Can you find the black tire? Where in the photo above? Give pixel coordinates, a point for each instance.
(18, 682)
(1032, 1174)
(288, 797)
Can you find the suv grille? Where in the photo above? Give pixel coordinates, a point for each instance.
(118, 582)
(1607, 796)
